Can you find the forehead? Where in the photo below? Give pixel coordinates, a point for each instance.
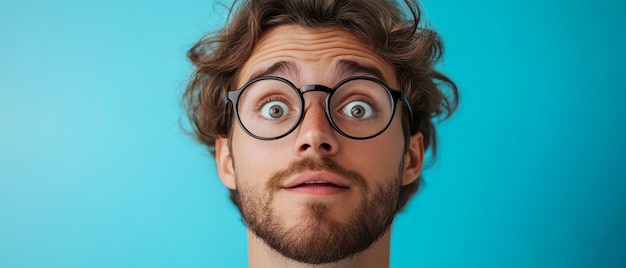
(320, 56)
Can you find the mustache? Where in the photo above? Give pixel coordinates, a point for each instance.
(315, 164)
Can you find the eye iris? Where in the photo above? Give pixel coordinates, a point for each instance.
(357, 111)
(276, 111)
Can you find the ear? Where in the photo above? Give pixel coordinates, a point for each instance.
(224, 163)
(413, 159)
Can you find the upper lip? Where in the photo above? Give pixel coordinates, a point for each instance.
(316, 177)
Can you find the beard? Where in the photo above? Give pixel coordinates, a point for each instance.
(318, 238)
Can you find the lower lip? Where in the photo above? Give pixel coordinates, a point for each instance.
(320, 190)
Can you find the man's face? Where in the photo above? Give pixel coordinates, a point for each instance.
(314, 195)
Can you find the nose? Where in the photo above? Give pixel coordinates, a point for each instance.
(316, 137)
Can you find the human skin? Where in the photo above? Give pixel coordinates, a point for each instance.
(317, 56)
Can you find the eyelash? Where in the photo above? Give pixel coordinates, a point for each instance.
(267, 100)
(363, 99)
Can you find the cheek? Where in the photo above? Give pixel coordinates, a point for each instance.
(382, 155)
(375, 159)
(256, 158)
(376, 154)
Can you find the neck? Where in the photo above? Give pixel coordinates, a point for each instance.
(261, 255)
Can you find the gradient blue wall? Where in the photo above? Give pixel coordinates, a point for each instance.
(95, 171)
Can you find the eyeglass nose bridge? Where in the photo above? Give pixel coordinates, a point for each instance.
(320, 88)
(316, 88)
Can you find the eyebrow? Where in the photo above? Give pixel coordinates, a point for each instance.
(347, 68)
(279, 68)
(342, 69)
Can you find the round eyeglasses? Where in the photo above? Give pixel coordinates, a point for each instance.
(270, 107)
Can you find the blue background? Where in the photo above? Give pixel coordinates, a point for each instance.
(96, 172)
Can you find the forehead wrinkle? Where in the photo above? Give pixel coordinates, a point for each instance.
(343, 63)
(316, 49)
(323, 47)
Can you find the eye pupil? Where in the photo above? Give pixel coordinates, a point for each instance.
(276, 111)
(357, 111)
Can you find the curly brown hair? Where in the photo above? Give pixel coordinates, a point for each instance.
(412, 49)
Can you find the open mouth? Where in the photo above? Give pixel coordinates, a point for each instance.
(317, 184)
(318, 188)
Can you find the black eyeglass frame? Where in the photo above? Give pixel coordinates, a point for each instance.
(233, 97)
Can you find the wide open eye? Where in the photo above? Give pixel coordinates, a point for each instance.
(358, 110)
(274, 110)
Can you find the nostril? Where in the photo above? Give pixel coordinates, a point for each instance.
(325, 146)
(305, 147)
